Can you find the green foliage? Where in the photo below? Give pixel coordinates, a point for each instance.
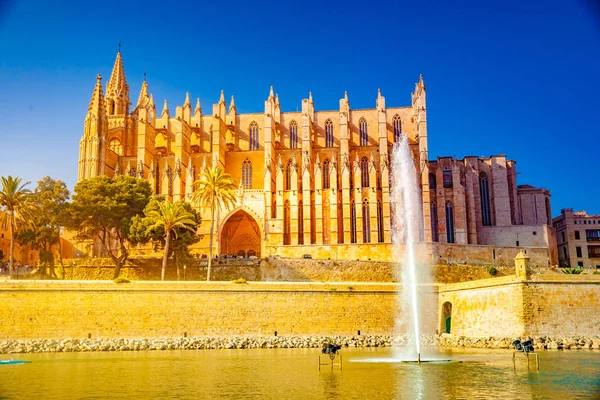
(121, 280)
(104, 208)
(492, 271)
(239, 280)
(572, 271)
(50, 202)
(596, 273)
(15, 209)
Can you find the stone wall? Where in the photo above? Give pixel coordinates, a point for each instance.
(547, 304)
(275, 269)
(61, 309)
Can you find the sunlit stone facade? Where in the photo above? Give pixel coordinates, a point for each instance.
(309, 178)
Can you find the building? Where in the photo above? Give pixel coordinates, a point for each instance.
(310, 181)
(578, 239)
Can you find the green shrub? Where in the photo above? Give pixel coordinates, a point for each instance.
(572, 271)
(492, 271)
(596, 273)
(122, 280)
(239, 280)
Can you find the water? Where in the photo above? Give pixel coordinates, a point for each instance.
(294, 374)
(406, 204)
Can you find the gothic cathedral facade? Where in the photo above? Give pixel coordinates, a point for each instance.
(309, 181)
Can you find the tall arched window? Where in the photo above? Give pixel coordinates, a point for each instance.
(247, 174)
(300, 222)
(364, 172)
(288, 176)
(449, 222)
(397, 128)
(253, 136)
(326, 182)
(328, 133)
(293, 135)
(364, 132)
(366, 222)
(286, 222)
(432, 181)
(353, 222)
(379, 222)
(434, 224)
(116, 146)
(484, 192)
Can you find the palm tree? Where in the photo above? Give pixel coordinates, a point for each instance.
(170, 216)
(14, 209)
(215, 190)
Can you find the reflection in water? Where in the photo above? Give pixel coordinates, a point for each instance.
(294, 374)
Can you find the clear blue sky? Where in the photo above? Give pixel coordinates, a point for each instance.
(520, 78)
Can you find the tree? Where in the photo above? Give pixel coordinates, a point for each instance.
(50, 200)
(170, 216)
(142, 231)
(214, 190)
(15, 210)
(103, 209)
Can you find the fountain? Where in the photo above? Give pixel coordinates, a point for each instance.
(405, 202)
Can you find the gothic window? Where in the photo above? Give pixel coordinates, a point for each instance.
(447, 178)
(432, 181)
(364, 172)
(364, 133)
(326, 184)
(274, 208)
(300, 222)
(352, 222)
(253, 136)
(379, 222)
(116, 146)
(449, 222)
(328, 133)
(484, 192)
(293, 135)
(286, 222)
(288, 176)
(434, 224)
(247, 174)
(397, 128)
(366, 222)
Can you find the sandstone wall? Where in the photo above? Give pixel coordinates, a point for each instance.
(549, 304)
(61, 309)
(490, 307)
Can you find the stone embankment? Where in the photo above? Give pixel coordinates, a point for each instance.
(238, 342)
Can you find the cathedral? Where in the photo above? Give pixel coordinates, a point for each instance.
(310, 182)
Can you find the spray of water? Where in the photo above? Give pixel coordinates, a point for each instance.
(406, 206)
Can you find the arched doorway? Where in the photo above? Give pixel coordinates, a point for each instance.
(447, 317)
(240, 235)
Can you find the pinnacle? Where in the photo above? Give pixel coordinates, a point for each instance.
(97, 101)
(271, 92)
(232, 104)
(197, 109)
(187, 100)
(165, 108)
(143, 94)
(222, 98)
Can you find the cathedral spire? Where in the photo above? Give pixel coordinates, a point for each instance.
(187, 100)
(310, 97)
(222, 98)
(97, 101)
(271, 93)
(117, 90)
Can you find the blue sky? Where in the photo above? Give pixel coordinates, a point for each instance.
(516, 78)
